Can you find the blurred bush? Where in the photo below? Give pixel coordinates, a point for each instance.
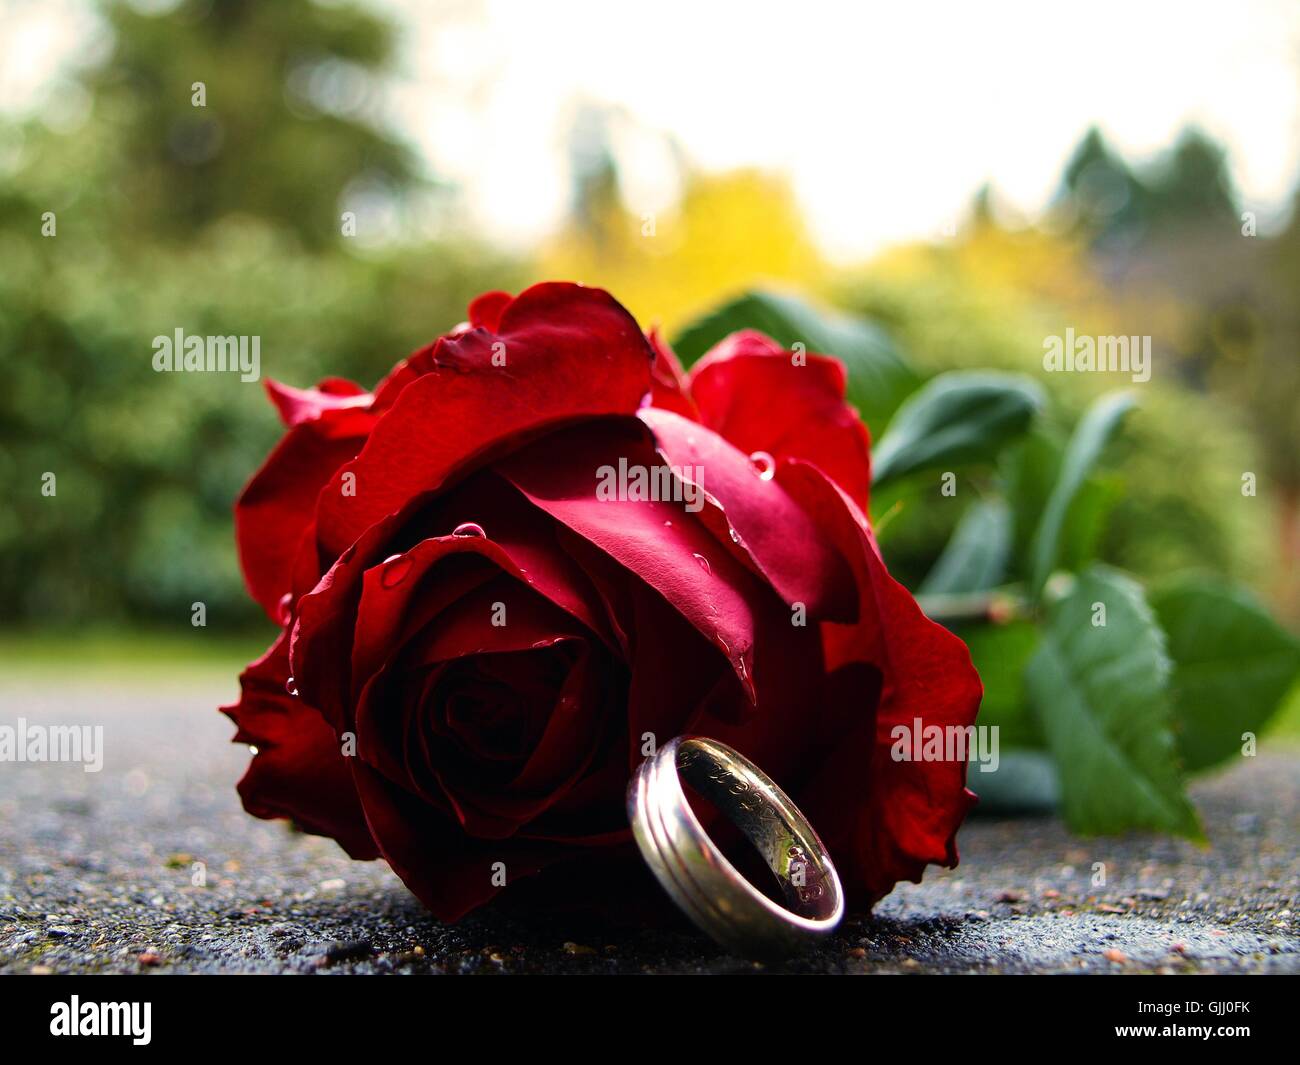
(1183, 454)
(151, 235)
(225, 219)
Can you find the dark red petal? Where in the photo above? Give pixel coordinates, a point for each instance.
(749, 390)
(668, 389)
(402, 596)
(273, 514)
(883, 820)
(298, 405)
(522, 538)
(485, 311)
(574, 734)
(570, 352)
(442, 609)
(299, 770)
(460, 624)
(661, 702)
(757, 517)
(411, 368)
(446, 870)
(528, 536)
(466, 627)
(659, 541)
(329, 645)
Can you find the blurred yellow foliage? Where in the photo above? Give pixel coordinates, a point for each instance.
(729, 232)
(1031, 271)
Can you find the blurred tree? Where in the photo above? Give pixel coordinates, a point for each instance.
(153, 215)
(1116, 208)
(225, 106)
(1159, 250)
(1191, 184)
(1099, 195)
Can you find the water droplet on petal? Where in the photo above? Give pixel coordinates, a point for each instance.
(396, 567)
(469, 528)
(291, 686)
(704, 563)
(252, 749)
(285, 611)
(765, 464)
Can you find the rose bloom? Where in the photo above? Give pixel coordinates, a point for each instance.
(477, 647)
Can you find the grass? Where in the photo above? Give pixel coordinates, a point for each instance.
(117, 655)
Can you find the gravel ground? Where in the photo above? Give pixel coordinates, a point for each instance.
(97, 871)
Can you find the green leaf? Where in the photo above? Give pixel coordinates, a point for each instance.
(975, 557)
(1090, 437)
(879, 377)
(1086, 520)
(1026, 780)
(956, 418)
(1028, 471)
(1000, 654)
(1100, 694)
(1233, 665)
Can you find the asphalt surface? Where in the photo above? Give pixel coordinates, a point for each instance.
(152, 866)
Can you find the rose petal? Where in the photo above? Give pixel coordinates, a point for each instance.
(758, 518)
(659, 541)
(299, 771)
(273, 515)
(883, 820)
(668, 388)
(573, 735)
(748, 390)
(298, 405)
(569, 352)
(523, 543)
(485, 312)
(661, 702)
(446, 870)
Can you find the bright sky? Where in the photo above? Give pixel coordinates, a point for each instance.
(885, 116)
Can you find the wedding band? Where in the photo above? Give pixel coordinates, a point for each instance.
(702, 881)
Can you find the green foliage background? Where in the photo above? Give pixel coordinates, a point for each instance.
(216, 221)
(225, 219)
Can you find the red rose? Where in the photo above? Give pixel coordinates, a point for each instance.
(477, 640)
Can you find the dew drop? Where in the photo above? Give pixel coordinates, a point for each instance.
(704, 563)
(252, 749)
(291, 686)
(396, 567)
(765, 464)
(469, 528)
(285, 610)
